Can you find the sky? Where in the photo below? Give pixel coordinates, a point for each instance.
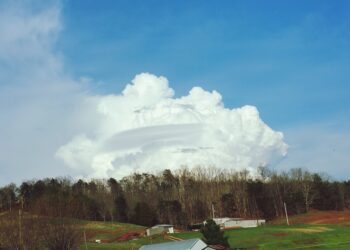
(79, 79)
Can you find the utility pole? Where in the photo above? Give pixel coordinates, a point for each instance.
(285, 210)
(85, 240)
(213, 209)
(20, 227)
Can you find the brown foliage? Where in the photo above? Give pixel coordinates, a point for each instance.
(33, 233)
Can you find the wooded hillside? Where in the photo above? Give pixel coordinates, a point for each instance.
(181, 198)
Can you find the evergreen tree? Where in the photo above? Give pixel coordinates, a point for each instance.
(213, 235)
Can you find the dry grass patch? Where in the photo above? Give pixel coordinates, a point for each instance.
(310, 230)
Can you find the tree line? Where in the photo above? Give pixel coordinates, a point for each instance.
(180, 197)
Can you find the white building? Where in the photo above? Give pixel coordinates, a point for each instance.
(227, 222)
(243, 223)
(159, 229)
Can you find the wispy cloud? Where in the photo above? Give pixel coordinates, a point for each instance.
(38, 101)
(322, 147)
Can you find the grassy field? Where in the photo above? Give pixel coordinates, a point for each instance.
(286, 237)
(315, 230)
(108, 231)
(306, 233)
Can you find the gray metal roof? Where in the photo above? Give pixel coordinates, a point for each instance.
(175, 245)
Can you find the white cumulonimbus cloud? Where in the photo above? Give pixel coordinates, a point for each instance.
(44, 112)
(146, 129)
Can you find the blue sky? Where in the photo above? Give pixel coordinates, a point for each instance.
(290, 59)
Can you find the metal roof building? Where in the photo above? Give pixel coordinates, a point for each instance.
(192, 244)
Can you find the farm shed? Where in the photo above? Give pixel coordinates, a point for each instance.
(192, 244)
(159, 229)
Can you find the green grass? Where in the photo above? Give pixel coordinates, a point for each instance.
(286, 237)
(302, 236)
(293, 237)
(108, 231)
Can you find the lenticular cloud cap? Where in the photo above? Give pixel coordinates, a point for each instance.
(146, 129)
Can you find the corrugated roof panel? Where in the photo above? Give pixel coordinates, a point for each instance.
(176, 245)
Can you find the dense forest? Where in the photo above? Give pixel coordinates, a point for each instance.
(181, 198)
